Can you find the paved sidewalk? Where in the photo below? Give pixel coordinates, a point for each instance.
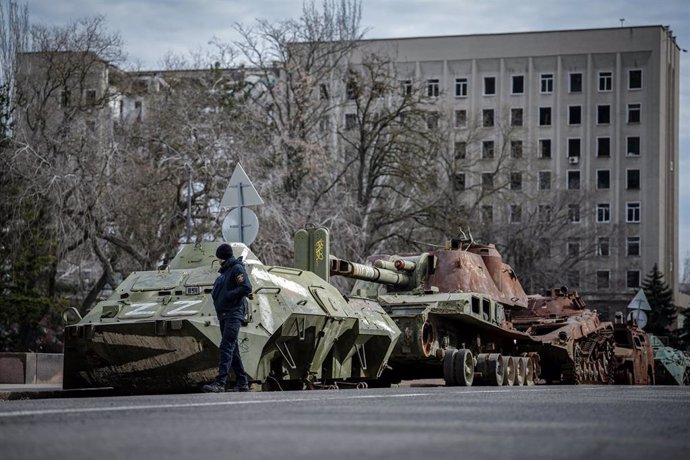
(40, 391)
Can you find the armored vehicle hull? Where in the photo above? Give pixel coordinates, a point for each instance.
(671, 366)
(158, 332)
(634, 355)
(575, 346)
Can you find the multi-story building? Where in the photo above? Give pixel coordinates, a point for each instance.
(595, 115)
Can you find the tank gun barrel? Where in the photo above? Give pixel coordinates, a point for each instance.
(397, 264)
(368, 273)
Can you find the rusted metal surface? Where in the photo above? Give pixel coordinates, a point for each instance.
(634, 355)
(575, 345)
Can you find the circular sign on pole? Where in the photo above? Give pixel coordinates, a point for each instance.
(240, 225)
(639, 316)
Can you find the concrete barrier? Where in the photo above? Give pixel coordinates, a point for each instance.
(31, 368)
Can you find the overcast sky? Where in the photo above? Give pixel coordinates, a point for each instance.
(150, 28)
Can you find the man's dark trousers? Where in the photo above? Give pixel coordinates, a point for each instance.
(229, 350)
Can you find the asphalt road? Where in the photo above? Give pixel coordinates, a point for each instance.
(542, 422)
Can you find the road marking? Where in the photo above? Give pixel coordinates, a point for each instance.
(84, 410)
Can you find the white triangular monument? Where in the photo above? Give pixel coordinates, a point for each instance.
(240, 191)
(639, 302)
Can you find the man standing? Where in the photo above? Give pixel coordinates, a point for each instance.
(229, 291)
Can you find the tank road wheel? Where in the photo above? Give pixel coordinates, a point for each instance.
(496, 370)
(508, 370)
(448, 368)
(463, 366)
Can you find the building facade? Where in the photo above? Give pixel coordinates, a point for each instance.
(594, 114)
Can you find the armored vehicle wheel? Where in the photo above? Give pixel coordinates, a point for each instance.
(448, 369)
(463, 366)
(509, 370)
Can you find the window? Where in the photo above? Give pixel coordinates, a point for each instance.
(138, 109)
(603, 279)
(544, 213)
(406, 86)
(634, 113)
(573, 247)
(574, 114)
(603, 246)
(460, 118)
(518, 84)
(487, 214)
(633, 179)
(461, 87)
(544, 180)
(573, 180)
(460, 150)
(544, 116)
(515, 117)
(632, 212)
(546, 86)
(487, 181)
(65, 95)
(544, 249)
(573, 213)
(632, 279)
(516, 149)
(323, 92)
(603, 179)
(352, 88)
(603, 213)
(350, 121)
(605, 81)
(632, 246)
(459, 182)
(487, 150)
(603, 147)
(635, 79)
(575, 83)
(573, 278)
(489, 86)
(633, 146)
(515, 213)
(516, 181)
(603, 114)
(487, 118)
(432, 120)
(90, 97)
(574, 147)
(544, 148)
(432, 87)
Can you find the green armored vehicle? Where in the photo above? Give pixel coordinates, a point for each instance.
(453, 306)
(671, 366)
(158, 331)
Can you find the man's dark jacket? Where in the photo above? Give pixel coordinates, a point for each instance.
(230, 288)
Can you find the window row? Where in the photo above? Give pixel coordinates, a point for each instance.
(602, 212)
(603, 116)
(604, 84)
(603, 279)
(544, 179)
(545, 150)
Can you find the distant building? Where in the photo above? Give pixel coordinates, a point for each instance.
(595, 112)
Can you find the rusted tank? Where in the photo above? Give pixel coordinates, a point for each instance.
(634, 355)
(453, 305)
(574, 344)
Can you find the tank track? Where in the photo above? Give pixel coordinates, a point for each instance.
(592, 361)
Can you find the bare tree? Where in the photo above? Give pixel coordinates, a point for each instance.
(294, 62)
